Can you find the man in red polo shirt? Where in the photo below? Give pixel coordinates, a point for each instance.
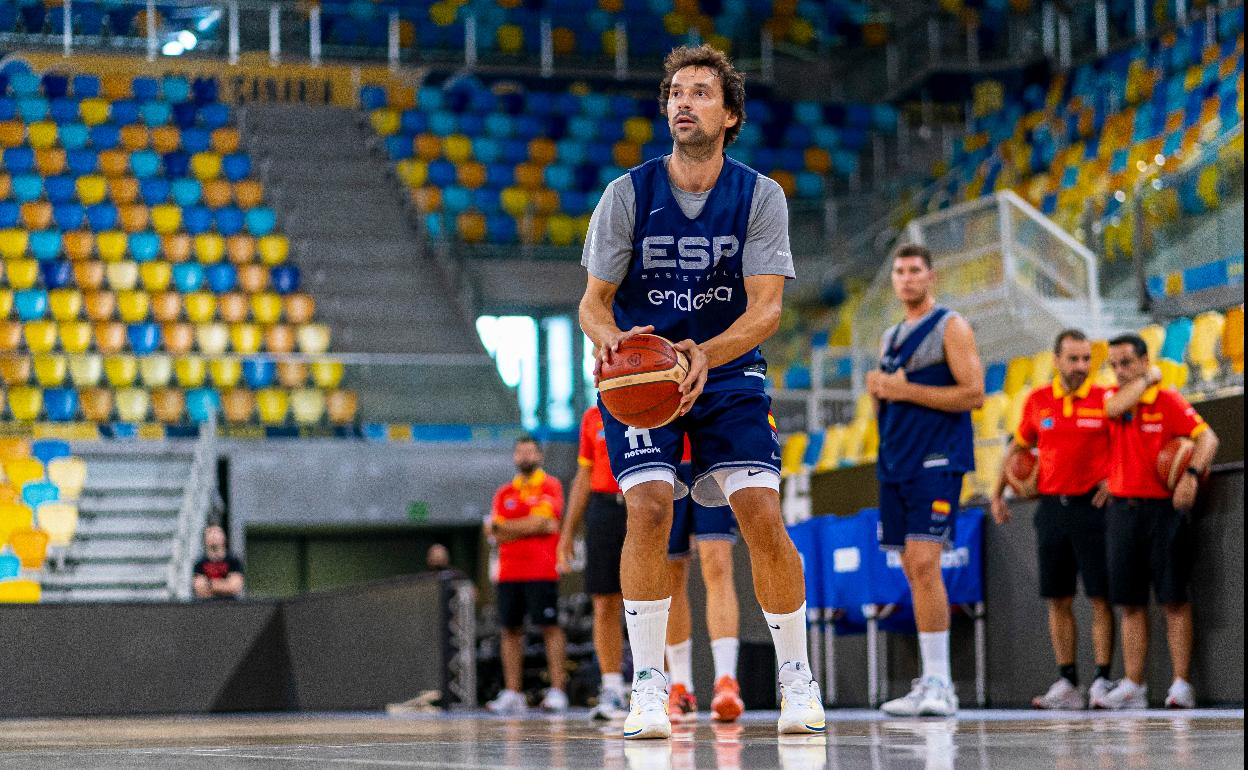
(1147, 528)
(525, 522)
(1066, 422)
(597, 497)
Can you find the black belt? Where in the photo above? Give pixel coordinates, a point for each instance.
(618, 497)
(1067, 500)
(1143, 502)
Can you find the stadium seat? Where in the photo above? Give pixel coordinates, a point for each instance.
(203, 404)
(99, 305)
(272, 405)
(212, 338)
(133, 404)
(190, 371)
(253, 278)
(59, 520)
(232, 307)
(30, 546)
(168, 405)
(36, 493)
(313, 338)
(1233, 339)
(121, 369)
(307, 406)
(86, 370)
(122, 276)
(178, 337)
(40, 336)
(226, 372)
(238, 405)
(292, 374)
(327, 373)
(245, 338)
(15, 369)
(155, 370)
(50, 369)
(342, 406)
(279, 338)
(143, 337)
(110, 337)
(299, 308)
(96, 403)
(23, 470)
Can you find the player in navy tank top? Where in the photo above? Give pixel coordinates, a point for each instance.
(694, 247)
(930, 378)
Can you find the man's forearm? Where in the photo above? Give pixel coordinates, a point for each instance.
(944, 398)
(1206, 447)
(578, 501)
(998, 487)
(597, 320)
(754, 327)
(1126, 398)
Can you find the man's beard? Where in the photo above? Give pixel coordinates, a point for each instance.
(526, 469)
(699, 145)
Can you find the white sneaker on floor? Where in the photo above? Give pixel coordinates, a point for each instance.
(939, 699)
(612, 704)
(508, 703)
(908, 704)
(1181, 695)
(555, 700)
(1125, 695)
(801, 707)
(1062, 696)
(1099, 689)
(647, 716)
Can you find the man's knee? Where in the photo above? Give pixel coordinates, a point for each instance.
(716, 558)
(921, 563)
(1062, 604)
(605, 605)
(649, 510)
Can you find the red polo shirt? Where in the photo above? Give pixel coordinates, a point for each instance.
(529, 558)
(1136, 438)
(1071, 433)
(593, 453)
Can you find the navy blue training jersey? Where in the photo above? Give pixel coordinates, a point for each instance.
(685, 278)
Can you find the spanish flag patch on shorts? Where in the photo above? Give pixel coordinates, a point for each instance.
(941, 507)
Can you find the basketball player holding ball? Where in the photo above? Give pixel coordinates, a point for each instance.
(694, 247)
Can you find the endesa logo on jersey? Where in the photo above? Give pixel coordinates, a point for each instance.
(687, 300)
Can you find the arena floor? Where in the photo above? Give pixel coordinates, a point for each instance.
(856, 739)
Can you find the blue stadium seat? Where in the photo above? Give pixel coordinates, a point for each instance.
(285, 278)
(123, 112)
(186, 191)
(105, 136)
(154, 190)
(229, 220)
(46, 450)
(31, 304)
(236, 166)
(177, 164)
(60, 189)
(221, 277)
(144, 338)
(69, 216)
(27, 187)
(188, 276)
(73, 136)
(175, 89)
(261, 220)
(156, 113)
(144, 163)
(64, 111)
(144, 247)
(10, 211)
(203, 404)
(145, 89)
(19, 160)
(259, 372)
(101, 217)
(86, 86)
(196, 219)
(56, 273)
(45, 245)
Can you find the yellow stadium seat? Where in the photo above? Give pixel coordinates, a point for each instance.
(510, 38)
(206, 165)
(30, 546)
(96, 403)
(457, 148)
(91, 189)
(40, 336)
(14, 369)
(14, 516)
(385, 121)
(211, 339)
(1153, 336)
(232, 307)
(13, 448)
(1202, 350)
(995, 410)
(168, 405)
(50, 370)
(209, 248)
(791, 453)
(238, 405)
(266, 307)
(20, 591)
(111, 245)
(225, 372)
(307, 405)
(1100, 356)
(562, 230)
(6, 302)
(1041, 368)
(133, 306)
(166, 218)
(156, 275)
(245, 338)
(65, 304)
(86, 369)
(122, 276)
(13, 243)
(1233, 339)
(201, 306)
(1017, 375)
(22, 273)
(133, 404)
(638, 130)
(93, 111)
(273, 404)
(60, 519)
(830, 452)
(190, 371)
(121, 369)
(155, 370)
(1173, 374)
(75, 336)
(22, 470)
(313, 338)
(514, 201)
(41, 134)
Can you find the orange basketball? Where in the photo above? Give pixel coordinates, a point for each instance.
(1022, 469)
(1173, 460)
(641, 385)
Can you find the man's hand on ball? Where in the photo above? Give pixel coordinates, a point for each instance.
(695, 378)
(611, 345)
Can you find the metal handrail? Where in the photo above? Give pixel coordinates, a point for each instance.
(193, 512)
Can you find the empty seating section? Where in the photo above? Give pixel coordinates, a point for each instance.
(586, 28)
(1078, 149)
(1200, 356)
(501, 166)
(39, 491)
(139, 260)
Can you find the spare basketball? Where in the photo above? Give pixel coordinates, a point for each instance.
(641, 385)
(1022, 470)
(1173, 460)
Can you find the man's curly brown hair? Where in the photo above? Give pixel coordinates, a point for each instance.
(731, 81)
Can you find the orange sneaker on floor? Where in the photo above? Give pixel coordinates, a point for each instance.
(726, 704)
(681, 705)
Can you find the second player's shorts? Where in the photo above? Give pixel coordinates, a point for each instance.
(732, 438)
(691, 521)
(606, 520)
(920, 508)
(1149, 543)
(1070, 540)
(539, 599)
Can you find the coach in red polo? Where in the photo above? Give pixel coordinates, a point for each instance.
(1148, 532)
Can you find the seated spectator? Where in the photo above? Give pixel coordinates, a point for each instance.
(219, 574)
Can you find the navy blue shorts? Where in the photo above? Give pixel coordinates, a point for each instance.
(691, 521)
(921, 508)
(733, 441)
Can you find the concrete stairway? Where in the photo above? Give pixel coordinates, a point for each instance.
(128, 528)
(362, 260)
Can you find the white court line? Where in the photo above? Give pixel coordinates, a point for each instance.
(327, 760)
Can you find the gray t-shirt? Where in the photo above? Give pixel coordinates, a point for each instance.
(931, 350)
(609, 242)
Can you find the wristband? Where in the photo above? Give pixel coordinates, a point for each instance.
(1192, 471)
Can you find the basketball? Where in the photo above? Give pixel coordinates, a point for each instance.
(641, 385)
(1173, 460)
(1021, 470)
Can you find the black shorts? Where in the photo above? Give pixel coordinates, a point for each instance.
(1149, 543)
(605, 523)
(1070, 539)
(539, 599)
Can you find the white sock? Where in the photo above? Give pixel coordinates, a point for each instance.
(613, 682)
(788, 634)
(725, 653)
(680, 663)
(647, 629)
(934, 651)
